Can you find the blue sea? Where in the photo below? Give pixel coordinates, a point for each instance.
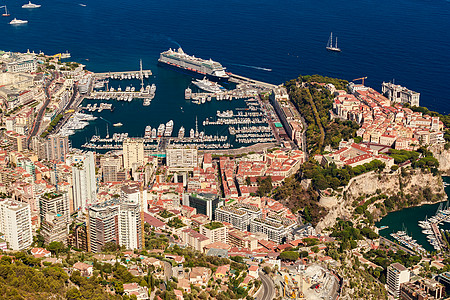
(406, 41)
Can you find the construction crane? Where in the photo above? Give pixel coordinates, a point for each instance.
(58, 55)
(362, 79)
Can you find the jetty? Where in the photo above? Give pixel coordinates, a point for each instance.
(124, 74)
(241, 79)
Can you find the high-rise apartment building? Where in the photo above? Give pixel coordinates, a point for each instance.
(133, 153)
(83, 180)
(119, 221)
(57, 147)
(396, 275)
(54, 202)
(103, 224)
(15, 223)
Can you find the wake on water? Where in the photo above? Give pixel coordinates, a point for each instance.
(254, 67)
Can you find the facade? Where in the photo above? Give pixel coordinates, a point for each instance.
(184, 158)
(277, 230)
(396, 275)
(130, 218)
(15, 223)
(103, 226)
(239, 215)
(422, 289)
(133, 153)
(215, 231)
(84, 183)
(53, 202)
(55, 228)
(205, 204)
(22, 66)
(288, 114)
(399, 94)
(57, 147)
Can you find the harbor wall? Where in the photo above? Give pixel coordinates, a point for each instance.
(388, 183)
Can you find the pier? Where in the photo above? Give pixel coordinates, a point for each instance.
(100, 108)
(124, 74)
(241, 79)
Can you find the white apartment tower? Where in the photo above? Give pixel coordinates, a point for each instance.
(396, 275)
(133, 153)
(130, 219)
(83, 180)
(15, 223)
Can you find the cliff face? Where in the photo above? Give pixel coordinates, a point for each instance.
(389, 184)
(443, 156)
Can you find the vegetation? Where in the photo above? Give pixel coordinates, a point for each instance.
(296, 197)
(315, 102)
(52, 125)
(166, 214)
(264, 186)
(175, 223)
(213, 225)
(24, 279)
(334, 177)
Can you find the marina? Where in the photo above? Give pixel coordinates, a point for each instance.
(413, 221)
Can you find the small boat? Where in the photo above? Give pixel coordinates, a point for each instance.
(117, 124)
(81, 4)
(17, 22)
(330, 46)
(31, 5)
(383, 227)
(6, 14)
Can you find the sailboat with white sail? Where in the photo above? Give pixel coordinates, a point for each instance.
(330, 46)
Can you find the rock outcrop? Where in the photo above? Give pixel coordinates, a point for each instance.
(443, 157)
(389, 184)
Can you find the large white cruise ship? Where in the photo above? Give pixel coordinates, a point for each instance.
(193, 65)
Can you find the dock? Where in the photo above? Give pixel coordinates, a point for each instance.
(123, 74)
(241, 79)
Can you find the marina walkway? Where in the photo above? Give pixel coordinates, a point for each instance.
(109, 74)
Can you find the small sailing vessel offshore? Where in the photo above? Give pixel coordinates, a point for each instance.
(330, 46)
(6, 14)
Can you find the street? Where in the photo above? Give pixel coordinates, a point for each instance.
(268, 291)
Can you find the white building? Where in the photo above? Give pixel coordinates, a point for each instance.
(22, 65)
(15, 223)
(396, 275)
(400, 94)
(83, 180)
(133, 153)
(182, 158)
(130, 224)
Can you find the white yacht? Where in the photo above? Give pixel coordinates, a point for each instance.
(17, 22)
(31, 5)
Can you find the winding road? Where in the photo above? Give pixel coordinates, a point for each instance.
(268, 291)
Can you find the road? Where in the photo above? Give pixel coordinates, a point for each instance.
(268, 291)
(37, 121)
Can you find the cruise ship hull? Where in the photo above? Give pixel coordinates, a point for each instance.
(192, 72)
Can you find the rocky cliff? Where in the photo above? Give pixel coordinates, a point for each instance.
(443, 156)
(369, 183)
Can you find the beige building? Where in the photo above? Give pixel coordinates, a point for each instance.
(133, 153)
(181, 158)
(215, 231)
(396, 275)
